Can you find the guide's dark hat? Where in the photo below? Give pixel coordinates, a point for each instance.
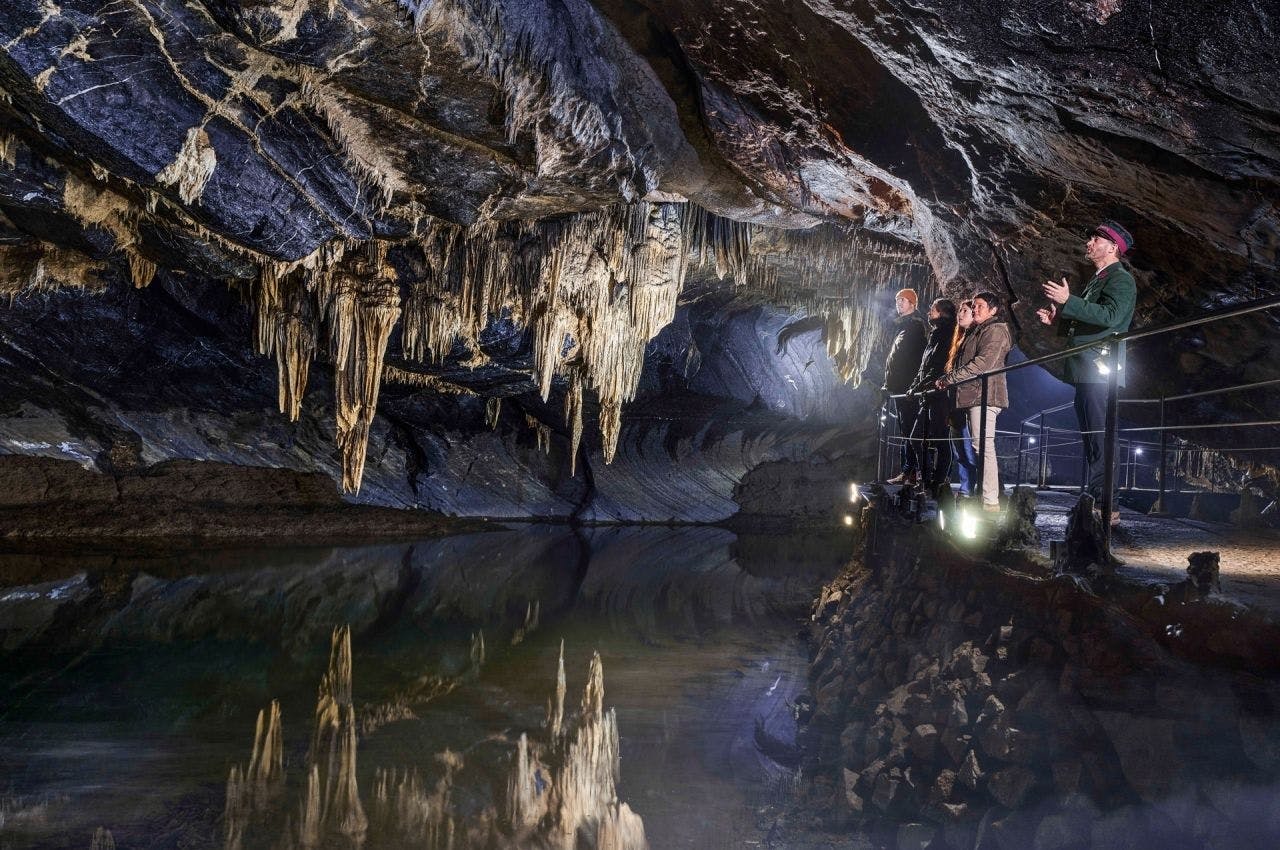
(1117, 234)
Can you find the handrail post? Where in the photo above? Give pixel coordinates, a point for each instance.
(880, 443)
(1044, 454)
(982, 441)
(1109, 447)
(1162, 470)
(1129, 461)
(1022, 452)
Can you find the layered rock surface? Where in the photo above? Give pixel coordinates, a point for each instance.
(384, 181)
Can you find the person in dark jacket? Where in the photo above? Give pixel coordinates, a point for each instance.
(900, 370)
(984, 349)
(1104, 307)
(930, 432)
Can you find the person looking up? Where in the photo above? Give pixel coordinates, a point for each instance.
(984, 349)
(899, 369)
(1104, 307)
(929, 436)
(958, 420)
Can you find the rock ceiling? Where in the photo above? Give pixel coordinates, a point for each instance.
(361, 167)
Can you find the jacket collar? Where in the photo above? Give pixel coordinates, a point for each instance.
(1106, 270)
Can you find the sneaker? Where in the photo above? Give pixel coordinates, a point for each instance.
(900, 478)
(991, 509)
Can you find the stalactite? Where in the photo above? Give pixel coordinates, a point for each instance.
(587, 783)
(102, 839)
(477, 650)
(420, 819)
(8, 149)
(332, 757)
(253, 789)
(266, 765)
(99, 206)
(532, 613)
(573, 418)
(192, 167)
(309, 828)
(555, 716)
(46, 268)
(363, 312)
(527, 800)
(352, 135)
(493, 412)
(141, 270)
(541, 432)
(421, 380)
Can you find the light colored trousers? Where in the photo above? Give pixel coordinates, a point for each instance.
(990, 467)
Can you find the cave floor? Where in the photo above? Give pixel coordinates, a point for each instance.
(1155, 549)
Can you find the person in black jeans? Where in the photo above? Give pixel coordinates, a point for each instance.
(900, 369)
(929, 436)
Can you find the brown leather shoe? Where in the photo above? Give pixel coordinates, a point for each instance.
(900, 478)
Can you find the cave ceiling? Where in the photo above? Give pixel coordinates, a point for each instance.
(380, 181)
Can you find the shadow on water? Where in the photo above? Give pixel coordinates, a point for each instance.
(129, 692)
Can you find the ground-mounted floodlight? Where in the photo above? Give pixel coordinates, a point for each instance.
(854, 493)
(968, 526)
(848, 520)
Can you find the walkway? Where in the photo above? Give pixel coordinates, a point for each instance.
(1156, 549)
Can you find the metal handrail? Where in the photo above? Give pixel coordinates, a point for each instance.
(1112, 340)
(1112, 344)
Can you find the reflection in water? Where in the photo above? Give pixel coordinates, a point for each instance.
(561, 794)
(125, 699)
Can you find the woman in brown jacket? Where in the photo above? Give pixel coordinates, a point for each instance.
(984, 348)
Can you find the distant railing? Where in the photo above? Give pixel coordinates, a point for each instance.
(1112, 352)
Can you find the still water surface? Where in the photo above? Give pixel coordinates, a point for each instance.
(129, 691)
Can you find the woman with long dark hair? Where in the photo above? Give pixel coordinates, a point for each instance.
(930, 432)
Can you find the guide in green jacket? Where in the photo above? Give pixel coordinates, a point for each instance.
(1103, 308)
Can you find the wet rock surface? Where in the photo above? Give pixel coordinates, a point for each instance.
(993, 708)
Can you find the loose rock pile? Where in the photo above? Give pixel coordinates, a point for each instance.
(959, 704)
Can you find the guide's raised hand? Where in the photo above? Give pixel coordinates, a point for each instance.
(1058, 293)
(1048, 315)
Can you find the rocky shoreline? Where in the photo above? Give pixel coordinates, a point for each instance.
(961, 704)
(58, 505)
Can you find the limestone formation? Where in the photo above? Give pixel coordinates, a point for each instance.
(332, 803)
(568, 788)
(536, 188)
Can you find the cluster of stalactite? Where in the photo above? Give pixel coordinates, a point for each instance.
(568, 787)
(556, 791)
(592, 289)
(330, 806)
(846, 279)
